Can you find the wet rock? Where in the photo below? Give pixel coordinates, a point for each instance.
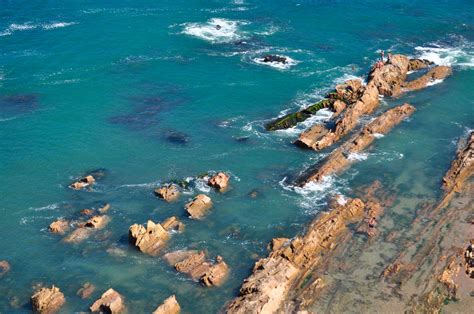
(311, 136)
(341, 157)
(86, 290)
(199, 268)
(348, 92)
(169, 306)
(82, 183)
(418, 64)
(169, 192)
(60, 226)
(87, 212)
(97, 222)
(274, 58)
(110, 302)
(436, 73)
(253, 194)
(47, 300)
(149, 239)
(4, 268)
(177, 138)
(173, 258)
(216, 274)
(173, 224)
(220, 181)
(199, 206)
(78, 235)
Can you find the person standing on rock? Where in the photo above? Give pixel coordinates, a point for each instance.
(381, 56)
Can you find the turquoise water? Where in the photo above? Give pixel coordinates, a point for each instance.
(150, 92)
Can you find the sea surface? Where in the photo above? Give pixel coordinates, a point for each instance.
(150, 91)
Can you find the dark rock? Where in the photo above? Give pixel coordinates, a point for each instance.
(274, 58)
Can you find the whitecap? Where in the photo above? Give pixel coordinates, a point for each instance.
(434, 82)
(57, 25)
(228, 32)
(378, 135)
(357, 156)
(449, 56)
(47, 207)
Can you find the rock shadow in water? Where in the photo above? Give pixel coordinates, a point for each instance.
(12, 105)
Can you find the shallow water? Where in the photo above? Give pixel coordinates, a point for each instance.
(119, 86)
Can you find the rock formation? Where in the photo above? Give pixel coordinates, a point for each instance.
(86, 290)
(169, 306)
(4, 268)
(220, 181)
(436, 73)
(47, 300)
(84, 230)
(173, 224)
(59, 226)
(274, 58)
(149, 239)
(168, 192)
(199, 206)
(341, 158)
(82, 183)
(274, 278)
(110, 302)
(469, 259)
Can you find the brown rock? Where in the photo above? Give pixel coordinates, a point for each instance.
(350, 91)
(418, 64)
(148, 240)
(175, 257)
(199, 206)
(86, 290)
(83, 182)
(311, 136)
(104, 208)
(216, 274)
(4, 268)
(59, 226)
(461, 168)
(47, 300)
(198, 268)
(278, 243)
(169, 192)
(220, 181)
(192, 265)
(110, 302)
(97, 222)
(78, 235)
(436, 73)
(87, 212)
(169, 306)
(173, 224)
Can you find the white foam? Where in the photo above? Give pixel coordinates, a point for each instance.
(29, 26)
(47, 207)
(208, 31)
(278, 65)
(141, 185)
(378, 135)
(434, 82)
(57, 25)
(313, 192)
(357, 156)
(461, 56)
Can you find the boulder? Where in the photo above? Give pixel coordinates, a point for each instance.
(173, 224)
(149, 239)
(86, 290)
(97, 222)
(216, 274)
(195, 265)
(311, 136)
(47, 300)
(348, 92)
(4, 268)
(169, 192)
(110, 302)
(199, 268)
(82, 183)
(436, 73)
(59, 226)
(220, 181)
(175, 257)
(169, 306)
(274, 58)
(199, 206)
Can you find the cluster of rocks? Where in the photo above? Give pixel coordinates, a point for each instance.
(469, 259)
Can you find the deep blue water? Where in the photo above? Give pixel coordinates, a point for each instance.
(150, 91)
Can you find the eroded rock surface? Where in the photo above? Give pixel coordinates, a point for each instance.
(60, 226)
(173, 224)
(199, 206)
(110, 302)
(169, 306)
(220, 181)
(198, 267)
(169, 192)
(436, 73)
(150, 239)
(47, 300)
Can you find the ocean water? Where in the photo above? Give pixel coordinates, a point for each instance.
(151, 91)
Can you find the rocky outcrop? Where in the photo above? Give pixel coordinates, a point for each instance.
(418, 64)
(4, 268)
(85, 229)
(220, 181)
(110, 302)
(86, 290)
(97, 222)
(60, 226)
(196, 265)
(199, 206)
(469, 259)
(82, 183)
(342, 157)
(149, 239)
(169, 192)
(173, 224)
(461, 168)
(47, 300)
(172, 258)
(310, 137)
(436, 73)
(169, 306)
(274, 278)
(78, 235)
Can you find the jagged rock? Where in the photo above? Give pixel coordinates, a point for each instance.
(83, 182)
(436, 73)
(148, 240)
(266, 290)
(216, 274)
(338, 107)
(110, 302)
(169, 192)
(169, 306)
(418, 64)
(469, 259)
(369, 226)
(349, 92)
(97, 222)
(310, 136)
(195, 265)
(389, 79)
(175, 257)
(278, 243)
(274, 58)
(4, 268)
(341, 157)
(86, 290)
(47, 300)
(199, 206)
(220, 181)
(198, 268)
(59, 226)
(461, 168)
(173, 224)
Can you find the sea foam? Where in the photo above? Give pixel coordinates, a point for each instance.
(229, 30)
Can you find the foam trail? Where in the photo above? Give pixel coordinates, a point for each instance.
(228, 32)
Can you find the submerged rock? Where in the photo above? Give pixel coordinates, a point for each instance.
(199, 206)
(149, 239)
(177, 138)
(82, 183)
(220, 181)
(4, 268)
(86, 290)
(169, 306)
(47, 300)
(173, 258)
(105, 208)
(97, 222)
(199, 268)
(168, 192)
(60, 226)
(110, 302)
(78, 235)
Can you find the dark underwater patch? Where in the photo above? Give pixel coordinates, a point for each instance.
(18, 104)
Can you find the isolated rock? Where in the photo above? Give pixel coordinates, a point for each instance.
(83, 182)
(78, 235)
(110, 302)
(47, 300)
(97, 222)
(173, 224)
(199, 268)
(274, 58)
(148, 240)
(436, 73)
(169, 306)
(169, 192)
(86, 290)
(199, 206)
(220, 181)
(216, 274)
(59, 226)
(4, 268)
